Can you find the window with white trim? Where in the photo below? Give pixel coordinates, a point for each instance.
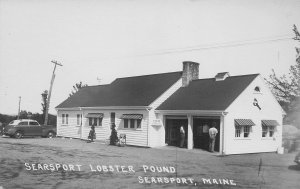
(79, 119)
(271, 131)
(95, 121)
(243, 128)
(268, 131)
(65, 119)
(246, 131)
(242, 131)
(139, 123)
(268, 128)
(237, 131)
(132, 123)
(126, 123)
(264, 131)
(112, 117)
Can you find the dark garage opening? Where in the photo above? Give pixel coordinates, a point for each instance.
(201, 135)
(173, 131)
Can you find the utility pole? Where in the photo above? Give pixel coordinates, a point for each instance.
(99, 80)
(19, 107)
(49, 96)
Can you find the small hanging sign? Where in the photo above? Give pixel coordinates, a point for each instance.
(156, 122)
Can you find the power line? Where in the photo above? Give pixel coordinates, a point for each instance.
(218, 45)
(203, 47)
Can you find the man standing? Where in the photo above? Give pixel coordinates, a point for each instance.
(212, 137)
(182, 137)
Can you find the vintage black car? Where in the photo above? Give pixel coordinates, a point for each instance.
(28, 127)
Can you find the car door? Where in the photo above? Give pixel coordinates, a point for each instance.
(23, 127)
(36, 129)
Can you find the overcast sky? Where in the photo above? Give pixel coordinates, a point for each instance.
(106, 40)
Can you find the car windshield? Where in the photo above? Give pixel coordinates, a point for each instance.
(15, 122)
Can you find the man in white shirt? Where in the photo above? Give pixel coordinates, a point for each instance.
(182, 136)
(212, 137)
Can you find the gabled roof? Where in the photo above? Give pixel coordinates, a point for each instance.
(208, 94)
(129, 91)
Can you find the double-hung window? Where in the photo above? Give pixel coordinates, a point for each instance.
(79, 119)
(132, 123)
(112, 117)
(237, 131)
(126, 123)
(65, 119)
(138, 123)
(264, 131)
(271, 131)
(246, 131)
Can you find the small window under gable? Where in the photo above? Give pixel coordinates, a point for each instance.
(257, 89)
(222, 76)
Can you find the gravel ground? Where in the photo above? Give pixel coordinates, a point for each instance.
(72, 163)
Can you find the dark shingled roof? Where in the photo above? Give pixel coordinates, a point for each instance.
(208, 94)
(129, 91)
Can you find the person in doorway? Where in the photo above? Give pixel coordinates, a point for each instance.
(212, 137)
(92, 134)
(182, 136)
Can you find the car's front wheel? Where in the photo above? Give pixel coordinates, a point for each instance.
(51, 134)
(18, 134)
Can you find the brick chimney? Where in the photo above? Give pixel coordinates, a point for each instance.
(190, 72)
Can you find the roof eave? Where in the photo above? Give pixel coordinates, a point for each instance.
(202, 112)
(107, 108)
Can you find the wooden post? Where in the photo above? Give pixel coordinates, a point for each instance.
(190, 142)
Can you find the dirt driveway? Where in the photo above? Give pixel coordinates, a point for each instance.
(72, 163)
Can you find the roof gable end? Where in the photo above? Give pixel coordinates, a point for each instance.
(208, 94)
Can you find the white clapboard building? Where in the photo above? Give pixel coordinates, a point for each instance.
(150, 109)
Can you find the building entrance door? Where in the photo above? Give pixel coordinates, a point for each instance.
(173, 131)
(201, 135)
